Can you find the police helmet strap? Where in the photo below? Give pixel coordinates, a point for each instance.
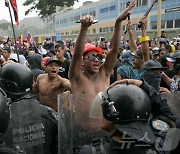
(111, 108)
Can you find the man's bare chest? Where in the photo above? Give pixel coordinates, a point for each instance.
(49, 87)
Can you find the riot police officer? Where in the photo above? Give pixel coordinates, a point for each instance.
(4, 119)
(32, 127)
(126, 110)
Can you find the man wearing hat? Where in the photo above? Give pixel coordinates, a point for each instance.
(95, 77)
(151, 73)
(88, 76)
(49, 85)
(173, 83)
(155, 54)
(137, 63)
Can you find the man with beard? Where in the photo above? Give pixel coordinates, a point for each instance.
(49, 85)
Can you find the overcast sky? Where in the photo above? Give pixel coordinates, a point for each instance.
(4, 14)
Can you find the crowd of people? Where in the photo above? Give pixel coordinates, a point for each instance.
(127, 77)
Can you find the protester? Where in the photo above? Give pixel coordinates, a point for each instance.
(93, 72)
(88, 75)
(64, 66)
(34, 63)
(6, 52)
(173, 83)
(49, 85)
(126, 71)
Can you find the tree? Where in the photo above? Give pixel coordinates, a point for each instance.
(46, 8)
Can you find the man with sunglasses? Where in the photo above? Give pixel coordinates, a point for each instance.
(95, 76)
(88, 75)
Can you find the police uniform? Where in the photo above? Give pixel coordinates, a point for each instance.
(159, 110)
(5, 150)
(34, 130)
(4, 119)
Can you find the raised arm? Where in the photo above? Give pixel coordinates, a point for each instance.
(115, 40)
(144, 40)
(166, 79)
(75, 67)
(132, 44)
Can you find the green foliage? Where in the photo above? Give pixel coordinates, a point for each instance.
(46, 7)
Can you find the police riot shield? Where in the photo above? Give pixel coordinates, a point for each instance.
(25, 133)
(173, 101)
(80, 121)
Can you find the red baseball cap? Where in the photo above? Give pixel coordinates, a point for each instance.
(91, 47)
(44, 60)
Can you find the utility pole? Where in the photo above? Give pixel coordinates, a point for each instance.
(159, 19)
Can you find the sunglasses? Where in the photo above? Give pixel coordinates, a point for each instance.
(92, 57)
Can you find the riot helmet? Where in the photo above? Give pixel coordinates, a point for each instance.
(125, 103)
(175, 58)
(16, 79)
(129, 108)
(4, 112)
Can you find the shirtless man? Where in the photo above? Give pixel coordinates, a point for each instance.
(95, 76)
(49, 85)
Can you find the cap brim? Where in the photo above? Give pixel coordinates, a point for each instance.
(140, 131)
(56, 61)
(171, 59)
(136, 56)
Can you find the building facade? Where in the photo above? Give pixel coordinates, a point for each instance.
(106, 12)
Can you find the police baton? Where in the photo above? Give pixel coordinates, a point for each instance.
(147, 12)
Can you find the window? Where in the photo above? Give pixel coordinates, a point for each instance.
(163, 24)
(135, 27)
(111, 29)
(105, 29)
(169, 24)
(124, 27)
(71, 18)
(154, 25)
(177, 23)
(100, 30)
(144, 2)
(122, 6)
(112, 8)
(76, 18)
(94, 31)
(104, 10)
(93, 13)
(138, 3)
